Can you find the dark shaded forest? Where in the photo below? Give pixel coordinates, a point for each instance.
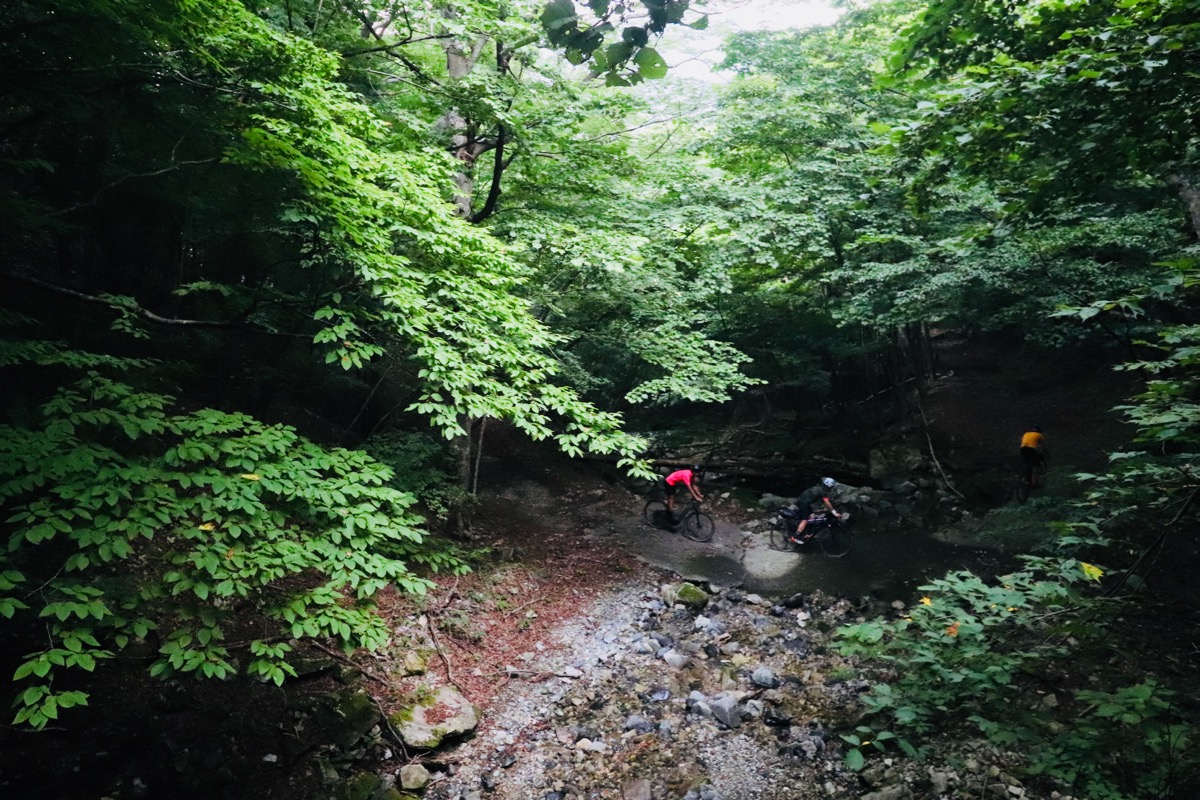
(271, 270)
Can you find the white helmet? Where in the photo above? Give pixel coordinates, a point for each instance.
(829, 482)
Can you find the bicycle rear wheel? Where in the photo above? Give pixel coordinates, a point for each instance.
(1041, 477)
(655, 514)
(698, 526)
(1022, 489)
(836, 541)
(780, 539)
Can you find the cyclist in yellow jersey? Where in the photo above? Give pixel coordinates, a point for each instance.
(1033, 453)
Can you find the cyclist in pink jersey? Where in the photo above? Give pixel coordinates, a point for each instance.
(682, 477)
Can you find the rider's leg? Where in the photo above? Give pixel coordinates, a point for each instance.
(799, 534)
(1028, 460)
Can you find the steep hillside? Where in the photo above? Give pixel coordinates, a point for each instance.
(991, 392)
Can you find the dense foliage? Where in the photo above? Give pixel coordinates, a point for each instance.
(245, 243)
(190, 525)
(207, 176)
(983, 655)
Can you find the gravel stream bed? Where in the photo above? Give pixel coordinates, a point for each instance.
(661, 690)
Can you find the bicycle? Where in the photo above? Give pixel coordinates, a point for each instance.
(1021, 484)
(697, 525)
(830, 531)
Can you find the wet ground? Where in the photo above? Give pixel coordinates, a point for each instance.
(885, 565)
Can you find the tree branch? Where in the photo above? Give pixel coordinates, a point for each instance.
(131, 307)
(174, 166)
(489, 205)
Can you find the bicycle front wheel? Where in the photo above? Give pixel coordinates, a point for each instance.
(655, 514)
(780, 540)
(836, 541)
(698, 526)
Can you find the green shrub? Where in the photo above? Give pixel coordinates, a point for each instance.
(128, 523)
(970, 652)
(421, 465)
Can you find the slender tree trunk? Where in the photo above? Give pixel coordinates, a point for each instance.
(930, 358)
(478, 457)
(913, 356)
(461, 447)
(461, 57)
(896, 371)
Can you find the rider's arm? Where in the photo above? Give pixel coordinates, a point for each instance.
(829, 505)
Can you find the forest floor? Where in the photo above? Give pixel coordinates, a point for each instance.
(537, 506)
(542, 569)
(541, 507)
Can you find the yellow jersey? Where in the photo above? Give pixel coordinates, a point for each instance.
(1031, 439)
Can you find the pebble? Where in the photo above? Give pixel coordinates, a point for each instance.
(684, 700)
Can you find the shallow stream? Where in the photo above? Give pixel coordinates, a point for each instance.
(885, 565)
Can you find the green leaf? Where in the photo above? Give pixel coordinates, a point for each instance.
(650, 64)
(617, 54)
(558, 19)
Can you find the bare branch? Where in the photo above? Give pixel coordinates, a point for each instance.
(146, 314)
(175, 165)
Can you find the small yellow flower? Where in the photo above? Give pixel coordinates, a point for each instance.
(925, 601)
(250, 476)
(1012, 608)
(208, 526)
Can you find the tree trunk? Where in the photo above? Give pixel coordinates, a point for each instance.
(930, 356)
(914, 356)
(896, 372)
(461, 58)
(461, 446)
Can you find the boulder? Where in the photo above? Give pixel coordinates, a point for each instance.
(691, 595)
(443, 714)
(892, 465)
(414, 776)
(347, 716)
(415, 662)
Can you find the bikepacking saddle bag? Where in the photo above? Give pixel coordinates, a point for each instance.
(796, 515)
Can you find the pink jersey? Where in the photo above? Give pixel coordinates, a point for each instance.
(679, 476)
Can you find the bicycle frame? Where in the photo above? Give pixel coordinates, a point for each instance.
(823, 527)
